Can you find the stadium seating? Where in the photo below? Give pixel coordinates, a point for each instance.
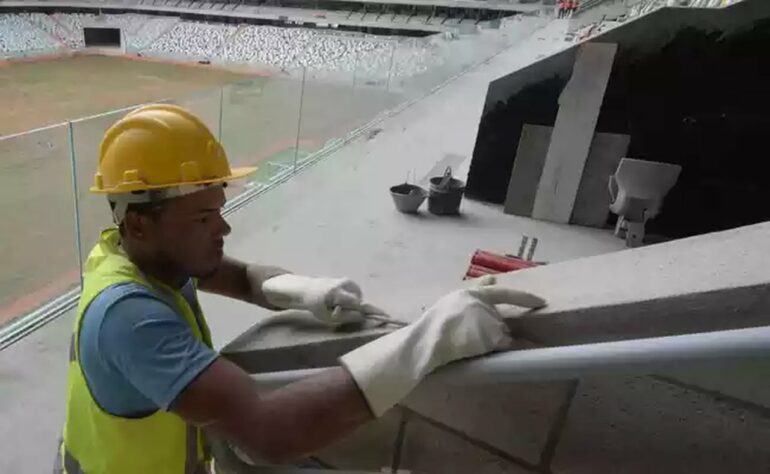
(267, 46)
(18, 35)
(51, 25)
(149, 30)
(192, 40)
(75, 21)
(325, 51)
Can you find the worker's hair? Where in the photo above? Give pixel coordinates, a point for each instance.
(145, 208)
(151, 209)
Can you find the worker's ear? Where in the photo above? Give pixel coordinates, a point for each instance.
(138, 225)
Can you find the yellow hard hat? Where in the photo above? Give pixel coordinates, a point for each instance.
(161, 146)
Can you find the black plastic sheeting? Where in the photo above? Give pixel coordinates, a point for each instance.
(498, 137)
(702, 101)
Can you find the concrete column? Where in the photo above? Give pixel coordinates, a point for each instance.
(579, 107)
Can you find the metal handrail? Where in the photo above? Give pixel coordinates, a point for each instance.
(629, 357)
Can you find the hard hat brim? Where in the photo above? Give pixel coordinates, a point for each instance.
(235, 173)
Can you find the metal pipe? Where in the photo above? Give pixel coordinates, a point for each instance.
(75, 198)
(635, 356)
(299, 117)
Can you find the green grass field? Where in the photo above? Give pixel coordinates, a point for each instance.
(256, 118)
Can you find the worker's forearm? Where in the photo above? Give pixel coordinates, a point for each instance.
(256, 276)
(242, 281)
(303, 427)
(299, 419)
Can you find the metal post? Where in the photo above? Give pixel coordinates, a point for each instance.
(75, 194)
(355, 69)
(299, 119)
(390, 68)
(631, 357)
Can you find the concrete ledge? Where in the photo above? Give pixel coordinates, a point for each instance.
(290, 341)
(710, 282)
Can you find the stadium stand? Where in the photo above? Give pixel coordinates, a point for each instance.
(192, 40)
(267, 46)
(150, 30)
(290, 47)
(50, 25)
(75, 21)
(18, 35)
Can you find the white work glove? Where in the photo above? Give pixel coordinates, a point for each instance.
(462, 324)
(331, 300)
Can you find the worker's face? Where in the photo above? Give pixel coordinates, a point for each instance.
(188, 234)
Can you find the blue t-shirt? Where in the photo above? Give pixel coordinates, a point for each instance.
(136, 352)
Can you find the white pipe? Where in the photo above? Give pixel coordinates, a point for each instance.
(635, 356)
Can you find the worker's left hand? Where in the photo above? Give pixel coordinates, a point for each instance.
(332, 300)
(465, 323)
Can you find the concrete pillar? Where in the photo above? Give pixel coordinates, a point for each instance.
(579, 107)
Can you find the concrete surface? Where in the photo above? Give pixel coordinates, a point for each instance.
(292, 340)
(579, 106)
(33, 377)
(428, 449)
(372, 447)
(527, 169)
(640, 425)
(526, 412)
(748, 382)
(591, 207)
(592, 201)
(708, 282)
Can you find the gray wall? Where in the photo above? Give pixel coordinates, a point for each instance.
(644, 33)
(593, 200)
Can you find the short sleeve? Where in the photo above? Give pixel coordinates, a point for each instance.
(152, 347)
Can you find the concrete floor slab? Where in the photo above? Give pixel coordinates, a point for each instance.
(640, 425)
(33, 378)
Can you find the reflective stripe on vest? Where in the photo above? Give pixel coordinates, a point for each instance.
(96, 442)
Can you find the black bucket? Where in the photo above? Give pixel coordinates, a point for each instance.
(445, 194)
(408, 197)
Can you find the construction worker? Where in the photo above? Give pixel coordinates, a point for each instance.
(143, 379)
(573, 6)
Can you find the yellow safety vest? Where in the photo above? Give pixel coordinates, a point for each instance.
(96, 442)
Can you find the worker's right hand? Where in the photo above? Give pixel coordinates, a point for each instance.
(333, 301)
(462, 324)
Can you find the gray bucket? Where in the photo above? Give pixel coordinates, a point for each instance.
(445, 195)
(408, 197)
